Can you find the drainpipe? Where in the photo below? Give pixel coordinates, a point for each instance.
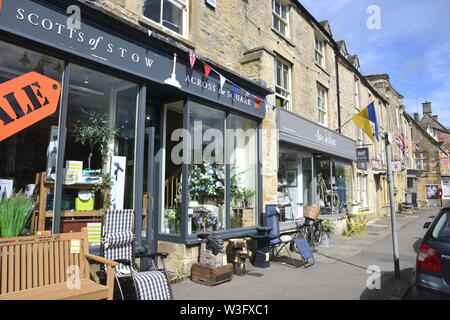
(338, 93)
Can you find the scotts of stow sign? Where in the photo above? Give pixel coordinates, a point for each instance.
(46, 23)
(26, 100)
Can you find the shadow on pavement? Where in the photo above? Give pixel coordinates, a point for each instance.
(390, 288)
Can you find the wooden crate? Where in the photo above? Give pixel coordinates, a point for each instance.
(211, 276)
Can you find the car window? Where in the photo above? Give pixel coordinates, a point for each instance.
(442, 229)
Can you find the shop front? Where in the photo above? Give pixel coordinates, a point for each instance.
(136, 127)
(314, 168)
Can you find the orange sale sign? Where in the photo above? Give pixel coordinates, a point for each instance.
(26, 100)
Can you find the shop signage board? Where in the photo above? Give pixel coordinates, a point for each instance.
(302, 132)
(46, 23)
(445, 187)
(26, 100)
(362, 158)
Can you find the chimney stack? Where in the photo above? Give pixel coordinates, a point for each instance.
(435, 117)
(426, 107)
(416, 117)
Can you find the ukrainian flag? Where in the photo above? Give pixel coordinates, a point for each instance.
(363, 119)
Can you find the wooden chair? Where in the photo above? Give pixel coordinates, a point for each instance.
(50, 267)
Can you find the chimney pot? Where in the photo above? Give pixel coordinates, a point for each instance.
(416, 117)
(426, 106)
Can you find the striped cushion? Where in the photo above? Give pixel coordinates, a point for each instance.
(152, 285)
(118, 239)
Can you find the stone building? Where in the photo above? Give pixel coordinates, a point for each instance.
(432, 125)
(395, 122)
(431, 167)
(308, 145)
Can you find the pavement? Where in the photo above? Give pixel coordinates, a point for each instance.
(340, 272)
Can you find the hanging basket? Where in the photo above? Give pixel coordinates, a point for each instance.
(311, 212)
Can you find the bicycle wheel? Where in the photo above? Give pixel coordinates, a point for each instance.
(307, 234)
(317, 233)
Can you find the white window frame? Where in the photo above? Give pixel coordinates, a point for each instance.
(319, 46)
(281, 19)
(322, 105)
(357, 93)
(182, 4)
(361, 190)
(283, 90)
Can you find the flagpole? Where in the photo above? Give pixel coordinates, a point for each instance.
(344, 124)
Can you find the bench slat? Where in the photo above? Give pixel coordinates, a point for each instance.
(41, 264)
(29, 266)
(16, 267)
(46, 265)
(35, 265)
(11, 269)
(23, 267)
(4, 270)
(57, 263)
(52, 263)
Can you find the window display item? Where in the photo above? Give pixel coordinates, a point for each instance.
(73, 171)
(6, 188)
(85, 201)
(118, 165)
(52, 151)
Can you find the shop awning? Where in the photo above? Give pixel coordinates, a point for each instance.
(299, 131)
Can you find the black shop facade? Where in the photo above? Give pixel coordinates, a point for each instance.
(136, 126)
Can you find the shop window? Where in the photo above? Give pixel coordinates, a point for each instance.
(280, 17)
(322, 107)
(294, 184)
(334, 186)
(171, 14)
(29, 156)
(207, 171)
(243, 171)
(282, 84)
(100, 144)
(172, 188)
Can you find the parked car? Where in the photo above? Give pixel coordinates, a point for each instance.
(431, 275)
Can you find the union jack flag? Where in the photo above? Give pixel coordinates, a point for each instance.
(401, 142)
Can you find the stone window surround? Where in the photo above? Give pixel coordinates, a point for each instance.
(280, 18)
(183, 37)
(321, 87)
(278, 58)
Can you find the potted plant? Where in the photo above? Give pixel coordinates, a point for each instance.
(207, 183)
(236, 220)
(327, 227)
(247, 195)
(97, 131)
(173, 216)
(15, 214)
(353, 207)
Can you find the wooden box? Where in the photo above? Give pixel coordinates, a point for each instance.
(211, 276)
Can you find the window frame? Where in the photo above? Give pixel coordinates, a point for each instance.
(276, 16)
(320, 110)
(284, 89)
(183, 5)
(319, 49)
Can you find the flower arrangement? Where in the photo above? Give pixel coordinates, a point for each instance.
(206, 220)
(207, 180)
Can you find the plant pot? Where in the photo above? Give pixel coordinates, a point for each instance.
(326, 239)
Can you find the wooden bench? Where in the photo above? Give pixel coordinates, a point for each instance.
(45, 268)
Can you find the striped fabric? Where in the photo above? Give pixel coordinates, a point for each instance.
(152, 285)
(118, 229)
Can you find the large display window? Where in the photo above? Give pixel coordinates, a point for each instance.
(29, 157)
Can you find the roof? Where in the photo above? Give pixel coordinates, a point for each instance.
(319, 26)
(326, 25)
(385, 77)
(439, 126)
(425, 133)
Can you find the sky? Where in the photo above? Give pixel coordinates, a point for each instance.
(412, 45)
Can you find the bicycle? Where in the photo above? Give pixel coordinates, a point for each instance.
(311, 230)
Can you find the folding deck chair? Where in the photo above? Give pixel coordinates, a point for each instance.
(117, 245)
(292, 240)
